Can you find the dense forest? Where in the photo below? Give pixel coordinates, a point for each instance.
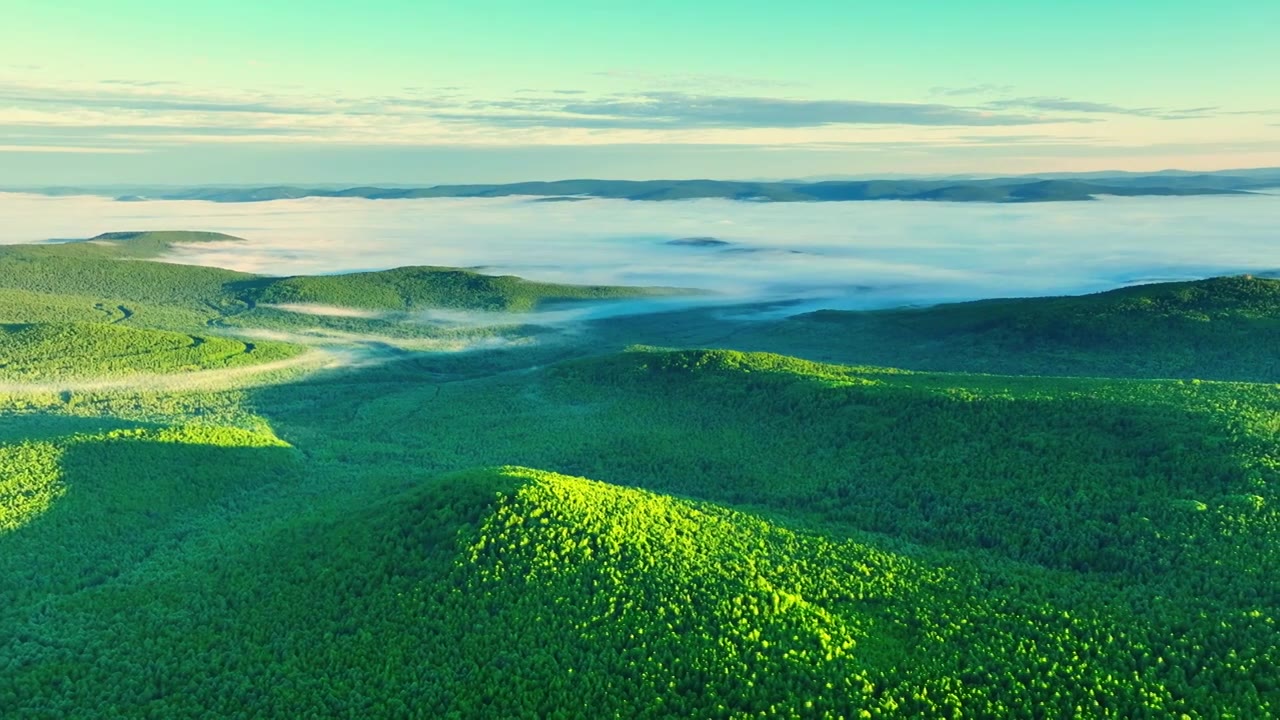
(1223, 328)
(1058, 507)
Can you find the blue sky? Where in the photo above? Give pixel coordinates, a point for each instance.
(137, 91)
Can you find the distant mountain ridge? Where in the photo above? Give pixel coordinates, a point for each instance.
(655, 190)
(1040, 188)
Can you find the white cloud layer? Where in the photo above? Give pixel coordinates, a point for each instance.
(848, 254)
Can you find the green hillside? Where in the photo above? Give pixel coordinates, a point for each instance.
(118, 268)
(761, 536)
(1083, 475)
(49, 351)
(88, 269)
(1086, 497)
(103, 503)
(418, 288)
(1087, 476)
(145, 244)
(115, 279)
(534, 594)
(1224, 328)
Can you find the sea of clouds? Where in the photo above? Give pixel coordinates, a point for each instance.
(857, 254)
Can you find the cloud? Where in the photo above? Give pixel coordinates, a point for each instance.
(704, 82)
(950, 142)
(123, 96)
(139, 102)
(158, 113)
(1022, 139)
(324, 310)
(150, 114)
(139, 83)
(18, 132)
(684, 110)
(70, 149)
(983, 89)
(1061, 104)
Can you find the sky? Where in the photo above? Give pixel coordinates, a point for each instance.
(427, 91)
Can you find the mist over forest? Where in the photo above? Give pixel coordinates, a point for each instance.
(858, 255)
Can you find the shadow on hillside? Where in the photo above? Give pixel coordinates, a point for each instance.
(35, 427)
(129, 498)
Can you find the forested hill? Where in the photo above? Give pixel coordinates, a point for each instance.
(762, 535)
(417, 287)
(1225, 328)
(120, 267)
(558, 530)
(1020, 189)
(105, 307)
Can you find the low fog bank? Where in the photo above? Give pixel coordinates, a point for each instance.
(323, 310)
(370, 348)
(570, 315)
(846, 255)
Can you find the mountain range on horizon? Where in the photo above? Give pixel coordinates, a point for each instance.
(1048, 187)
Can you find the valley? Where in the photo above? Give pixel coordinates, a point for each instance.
(1017, 508)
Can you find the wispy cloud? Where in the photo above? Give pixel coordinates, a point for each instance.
(138, 83)
(719, 111)
(983, 89)
(1271, 111)
(1068, 105)
(1022, 139)
(132, 101)
(70, 149)
(701, 82)
(18, 131)
(117, 113)
(155, 111)
(1021, 143)
(684, 110)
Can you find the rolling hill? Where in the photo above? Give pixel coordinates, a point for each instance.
(1223, 328)
(776, 536)
(1045, 529)
(117, 277)
(60, 351)
(421, 288)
